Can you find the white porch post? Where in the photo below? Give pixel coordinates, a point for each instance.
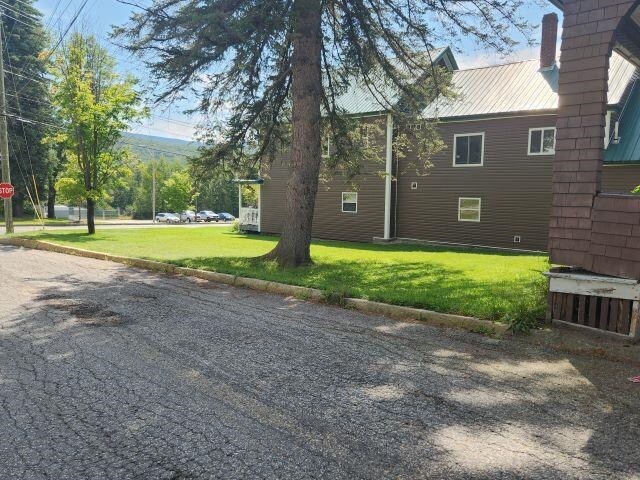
(259, 208)
(387, 180)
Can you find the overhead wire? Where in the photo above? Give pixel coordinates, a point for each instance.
(4, 14)
(24, 132)
(66, 31)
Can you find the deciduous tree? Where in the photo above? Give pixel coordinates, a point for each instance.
(94, 105)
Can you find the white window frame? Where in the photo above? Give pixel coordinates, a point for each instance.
(326, 153)
(541, 152)
(460, 199)
(455, 146)
(343, 202)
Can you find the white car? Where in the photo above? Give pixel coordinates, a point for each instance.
(188, 216)
(167, 218)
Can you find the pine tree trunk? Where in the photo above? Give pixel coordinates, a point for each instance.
(51, 200)
(293, 249)
(91, 213)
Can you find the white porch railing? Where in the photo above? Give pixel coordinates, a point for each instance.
(249, 216)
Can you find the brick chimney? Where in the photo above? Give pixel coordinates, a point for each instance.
(549, 41)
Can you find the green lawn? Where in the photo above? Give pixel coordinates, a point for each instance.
(486, 284)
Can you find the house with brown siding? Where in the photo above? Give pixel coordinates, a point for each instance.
(492, 184)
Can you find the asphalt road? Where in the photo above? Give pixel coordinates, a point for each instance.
(112, 372)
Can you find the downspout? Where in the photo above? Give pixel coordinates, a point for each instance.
(388, 179)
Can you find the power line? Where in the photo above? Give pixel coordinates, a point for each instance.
(26, 4)
(17, 20)
(57, 127)
(37, 80)
(24, 132)
(155, 149)
(4, 7)
(64, 34)
(50, 20)
(71, 23)
(17, 11)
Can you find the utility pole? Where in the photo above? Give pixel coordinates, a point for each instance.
(153, 191)
(4, 143)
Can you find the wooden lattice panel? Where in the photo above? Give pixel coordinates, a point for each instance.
(610, 314)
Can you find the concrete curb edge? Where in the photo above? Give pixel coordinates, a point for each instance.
(396, 312)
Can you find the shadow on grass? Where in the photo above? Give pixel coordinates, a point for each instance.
(344, 269)
(397, 247)
(429, 285)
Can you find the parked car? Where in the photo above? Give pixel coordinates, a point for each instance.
(208, 216)
(226, 217)
(167, 218)
(188, 216)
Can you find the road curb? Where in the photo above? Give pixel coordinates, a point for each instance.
(396, 312)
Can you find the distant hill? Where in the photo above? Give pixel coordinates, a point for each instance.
(149, 147)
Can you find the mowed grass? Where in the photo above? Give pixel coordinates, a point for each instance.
(487, 284)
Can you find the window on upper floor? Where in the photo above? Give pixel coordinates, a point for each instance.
(469, 209)
(349, 202)
(542, 141)
(468, 149)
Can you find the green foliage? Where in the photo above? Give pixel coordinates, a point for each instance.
(70, 190)
(636, 190)
(94, 105)
(529, 311)
(507, 287)
(216, 190)
(242, 64)
(177, 191)
(143, 178)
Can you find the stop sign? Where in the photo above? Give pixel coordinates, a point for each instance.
(6, 190)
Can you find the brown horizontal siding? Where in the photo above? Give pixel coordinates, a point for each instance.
(515, 189)
(620, 178)
(329, 222)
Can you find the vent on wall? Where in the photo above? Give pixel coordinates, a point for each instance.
(414, 185)
(517, 239)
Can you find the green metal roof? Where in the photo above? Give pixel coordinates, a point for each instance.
(628, 148)
(517, 87)
(359, 100)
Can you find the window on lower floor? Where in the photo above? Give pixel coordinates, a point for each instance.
(468, 149)
(469, 209)
(350, 202)
(542, 141)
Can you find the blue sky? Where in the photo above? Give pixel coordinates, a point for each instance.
(168, 120)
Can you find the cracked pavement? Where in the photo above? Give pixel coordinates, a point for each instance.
(113, 372)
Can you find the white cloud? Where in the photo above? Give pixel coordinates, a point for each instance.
(485, 58)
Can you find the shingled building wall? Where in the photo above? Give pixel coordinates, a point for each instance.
(588, 228)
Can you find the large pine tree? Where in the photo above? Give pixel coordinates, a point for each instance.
(27, 98)
(272, 70)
